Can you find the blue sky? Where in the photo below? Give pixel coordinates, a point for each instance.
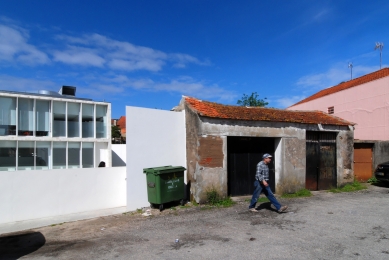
(150, 53)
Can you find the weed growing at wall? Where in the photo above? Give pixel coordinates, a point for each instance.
(355, 186)
(214, 199)
(298, 194)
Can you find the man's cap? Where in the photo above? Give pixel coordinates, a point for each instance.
(266, 155)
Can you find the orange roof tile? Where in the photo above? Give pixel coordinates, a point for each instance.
(121, 123)
(348, 84)
(215, 110)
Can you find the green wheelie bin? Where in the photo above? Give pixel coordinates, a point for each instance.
(165, 184)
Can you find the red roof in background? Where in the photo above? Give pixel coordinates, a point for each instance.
(348, 84)
(215, 110)
(121, 123)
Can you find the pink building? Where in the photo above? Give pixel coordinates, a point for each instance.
(364, 101)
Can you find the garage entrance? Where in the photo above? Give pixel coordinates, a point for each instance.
(363, 161)
(244, 153)
(321, 160)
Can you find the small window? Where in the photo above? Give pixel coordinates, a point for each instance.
(330, 110)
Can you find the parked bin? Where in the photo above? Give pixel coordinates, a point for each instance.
(165, 184)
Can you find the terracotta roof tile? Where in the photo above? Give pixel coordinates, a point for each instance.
(348, 84)
(215, 110)
(121, 123)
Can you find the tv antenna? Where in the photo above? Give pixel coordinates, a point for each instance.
(350, 65)
(380, 46)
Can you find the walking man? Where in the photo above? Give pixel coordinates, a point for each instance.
(261, 184)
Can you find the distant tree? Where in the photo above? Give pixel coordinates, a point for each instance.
(252, 101)
(115, 132)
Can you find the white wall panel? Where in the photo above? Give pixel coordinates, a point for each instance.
(154, 138)
(28, 195)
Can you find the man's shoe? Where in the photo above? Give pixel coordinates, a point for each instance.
(253, 210)
(282, 209)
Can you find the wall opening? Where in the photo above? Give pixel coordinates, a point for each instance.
(243, 155)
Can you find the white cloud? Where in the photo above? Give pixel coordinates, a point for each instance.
(14, 47)
(120, 55)
(23, 84)
(287, 101)
(182, 85)
(335, 75)
(79, 56)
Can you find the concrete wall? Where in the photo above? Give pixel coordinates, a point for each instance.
(207, 170)
(289, 152)
(32, 195)
(380, 152)
(119, 155)
(345, 157)
(154, 138)
(366, 105)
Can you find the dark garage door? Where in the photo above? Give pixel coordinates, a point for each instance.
(321, 160)
(244, 153)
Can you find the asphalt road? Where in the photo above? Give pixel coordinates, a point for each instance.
(326, 226)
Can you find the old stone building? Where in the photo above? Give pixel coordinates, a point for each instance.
(311, 149)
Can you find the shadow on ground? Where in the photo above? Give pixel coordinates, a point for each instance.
(17, 245)
(382, 184)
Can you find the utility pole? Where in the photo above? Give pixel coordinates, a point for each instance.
(380, 46)
(350, 65)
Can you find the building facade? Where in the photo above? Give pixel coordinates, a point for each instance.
(310, 149)
(365, 101)
(50, 130)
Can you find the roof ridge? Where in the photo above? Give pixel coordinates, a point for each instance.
(216, 110)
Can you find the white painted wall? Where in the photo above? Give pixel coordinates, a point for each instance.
(154, 138)
(29, 195)
(119, 155)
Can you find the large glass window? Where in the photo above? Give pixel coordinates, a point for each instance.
(87, 155)
(74, 155)
(73, 120)
(42, 117)
(59, 155)
(7, 116)
(26, 117)
(101, 121)
(26, 155)
(7, 155)
(59, 119)
(87, 120)
(42, 158)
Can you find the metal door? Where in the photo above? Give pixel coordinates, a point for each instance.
(363, 162)
(321, 160)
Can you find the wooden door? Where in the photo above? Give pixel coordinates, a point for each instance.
(321, 160)
(363, 162)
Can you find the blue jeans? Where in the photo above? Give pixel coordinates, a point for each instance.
(269, 194)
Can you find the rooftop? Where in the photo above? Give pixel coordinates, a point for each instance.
(348, 84)
(215, 110)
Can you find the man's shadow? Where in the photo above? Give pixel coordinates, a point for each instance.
(14, 246)
(266, 205)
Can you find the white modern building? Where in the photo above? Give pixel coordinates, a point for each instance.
(50, 130)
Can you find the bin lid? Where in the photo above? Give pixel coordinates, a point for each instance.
(163, 169)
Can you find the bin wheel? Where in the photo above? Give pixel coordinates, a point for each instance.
(182, 202)
(160, 207)
(152, 206)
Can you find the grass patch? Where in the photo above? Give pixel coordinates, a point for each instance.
(355, 186)
(263, 199)
(373, 180)
(299, 194)
(214, 199)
